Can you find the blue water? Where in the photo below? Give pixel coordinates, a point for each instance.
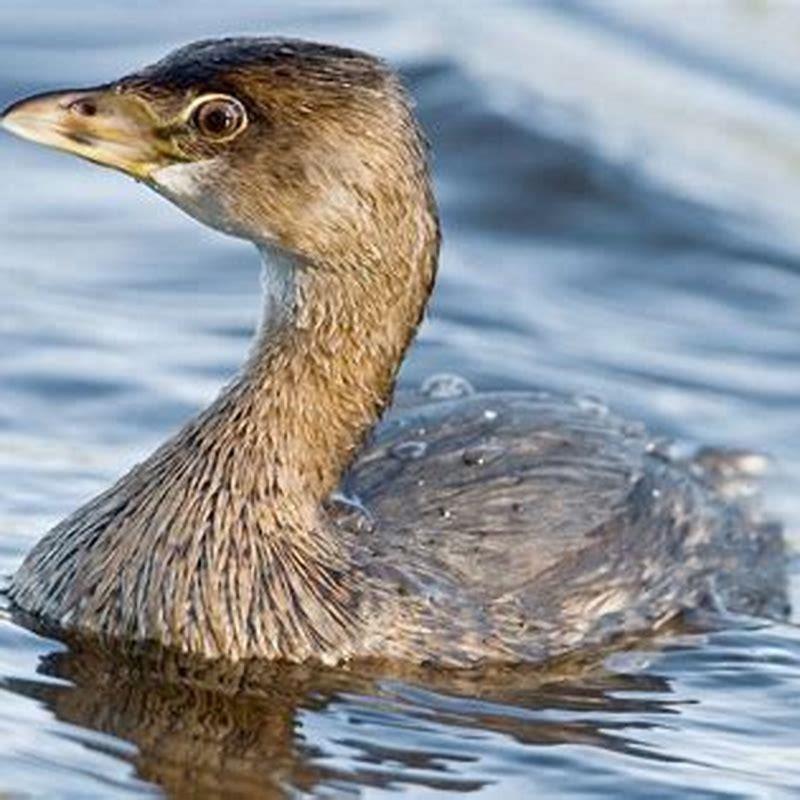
(620, 189)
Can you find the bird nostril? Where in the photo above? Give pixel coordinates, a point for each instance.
(83, 108)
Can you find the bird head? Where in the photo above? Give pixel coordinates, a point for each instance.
(278, 141)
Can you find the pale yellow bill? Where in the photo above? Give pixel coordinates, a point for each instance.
(98, 124)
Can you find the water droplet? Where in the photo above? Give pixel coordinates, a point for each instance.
(481, 454)
(408, 451)
(661, 448)
(591, 404)
(446, 386)
(360, 517)
(490, 414)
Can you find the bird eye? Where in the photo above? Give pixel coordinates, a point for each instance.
(219, 117)
(83, 108)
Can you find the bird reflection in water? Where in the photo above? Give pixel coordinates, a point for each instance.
(250, 729)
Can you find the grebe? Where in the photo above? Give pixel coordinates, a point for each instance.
(500, 528)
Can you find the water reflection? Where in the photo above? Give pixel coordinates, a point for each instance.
(253, 730)
(259, 730)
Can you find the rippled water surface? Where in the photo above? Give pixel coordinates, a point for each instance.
(620, 188)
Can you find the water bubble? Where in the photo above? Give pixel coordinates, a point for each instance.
(408, 451)
(481, 454)
(490, 414)
(446, 386)
(661, 448)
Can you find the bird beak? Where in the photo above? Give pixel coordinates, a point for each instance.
(99, 124)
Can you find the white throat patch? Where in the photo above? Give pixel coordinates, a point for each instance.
(184, 180)
(187, 186)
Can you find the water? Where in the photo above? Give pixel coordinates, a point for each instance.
(620, 187)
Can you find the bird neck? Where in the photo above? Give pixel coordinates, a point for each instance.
(324, 362)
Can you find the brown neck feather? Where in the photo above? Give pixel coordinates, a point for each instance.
(323, 364)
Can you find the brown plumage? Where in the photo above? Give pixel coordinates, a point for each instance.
(530, 526)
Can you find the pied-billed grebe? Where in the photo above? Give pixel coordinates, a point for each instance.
(505, 527)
